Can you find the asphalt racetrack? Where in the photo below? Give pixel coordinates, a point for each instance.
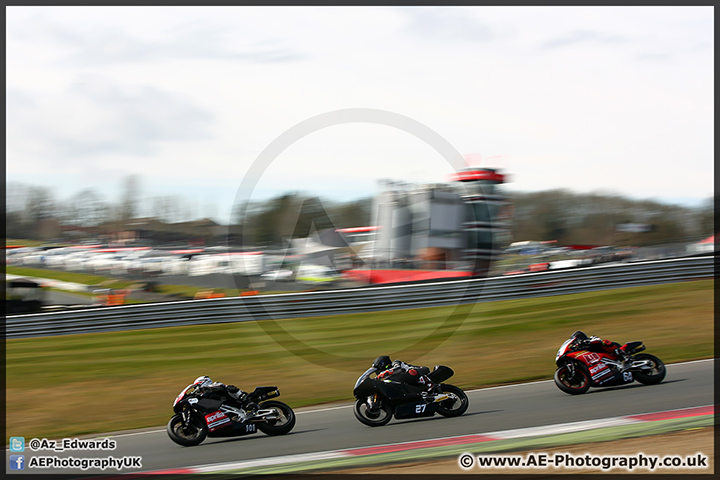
(334, 427)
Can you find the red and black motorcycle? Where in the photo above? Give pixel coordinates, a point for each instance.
(580, 368)
(200, 413)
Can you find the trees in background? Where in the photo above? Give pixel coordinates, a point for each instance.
(576, 218)
(569, 218)
(295, 215)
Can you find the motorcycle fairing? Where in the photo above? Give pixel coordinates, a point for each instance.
(617, 378)
(415, 410)
(216, 420)
(235, 429)
(585, 356)
(364, 376)
(397, 393)
(400, 396)
(180, 396)
(209, 404)
(601, 374)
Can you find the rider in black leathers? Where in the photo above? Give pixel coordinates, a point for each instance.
(597, 344)
(400, 371)
(205, 383)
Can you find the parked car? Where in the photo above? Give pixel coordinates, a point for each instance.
(316, 274)
(279, 275)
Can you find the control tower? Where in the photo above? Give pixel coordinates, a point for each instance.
(453, 228)
(488, 214)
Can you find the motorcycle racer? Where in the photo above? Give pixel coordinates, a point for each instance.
(583, 362)
(597, 344)
(205, 383)
(400, 371)
(212, 409)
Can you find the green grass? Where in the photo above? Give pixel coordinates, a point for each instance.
(74, 277)
(99, 280)
(190, 291)
(24, 243)
(80, 384)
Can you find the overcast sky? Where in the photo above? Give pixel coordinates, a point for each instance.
(611, 99)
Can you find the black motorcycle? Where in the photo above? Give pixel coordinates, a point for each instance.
(378, 400)
(200, 413)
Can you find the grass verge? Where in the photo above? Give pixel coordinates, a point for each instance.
(74, 277)
(101, 382)
(184, 291)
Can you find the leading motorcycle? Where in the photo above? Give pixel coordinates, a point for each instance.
(379, 400)
(200, 413)
(579, 368)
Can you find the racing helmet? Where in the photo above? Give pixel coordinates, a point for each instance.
(382, 362)
(202, 381)
(580, 335)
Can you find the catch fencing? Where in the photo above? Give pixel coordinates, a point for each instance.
(358, 300)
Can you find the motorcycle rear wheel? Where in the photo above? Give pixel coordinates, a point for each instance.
(376, 417)
(453, 407)
(573, 384)
(657, 373)
(283, 425)
(187, 436)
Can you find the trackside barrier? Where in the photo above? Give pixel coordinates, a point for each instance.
(358, 300)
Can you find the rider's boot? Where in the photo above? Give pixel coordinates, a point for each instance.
(622, 356)
(433, 392)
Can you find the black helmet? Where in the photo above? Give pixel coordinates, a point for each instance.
(580, 335)
(382, 362)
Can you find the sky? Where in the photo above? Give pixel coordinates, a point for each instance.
(223, 104)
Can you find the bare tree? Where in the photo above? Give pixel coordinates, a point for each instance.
(86, 208)
(131, 195)
(40, 204)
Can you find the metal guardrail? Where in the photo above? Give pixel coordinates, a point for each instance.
(358, 300)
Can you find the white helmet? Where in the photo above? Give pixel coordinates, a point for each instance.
(203, 381)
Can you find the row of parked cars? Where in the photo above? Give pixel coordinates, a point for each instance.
(139, 261)
(525, 258)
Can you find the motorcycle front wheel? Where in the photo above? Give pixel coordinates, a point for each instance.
(187, 435)
(283, 424)
(454, 406)
(376, 416)
(573, 384)
(653, 375)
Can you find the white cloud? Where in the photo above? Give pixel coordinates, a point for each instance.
(573, 95)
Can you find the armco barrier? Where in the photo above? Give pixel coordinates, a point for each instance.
(240, 309)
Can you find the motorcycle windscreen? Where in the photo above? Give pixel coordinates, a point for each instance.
(187, 390)
(364, 377)
(440, 374)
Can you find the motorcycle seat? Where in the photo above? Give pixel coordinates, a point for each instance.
(630, 347)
